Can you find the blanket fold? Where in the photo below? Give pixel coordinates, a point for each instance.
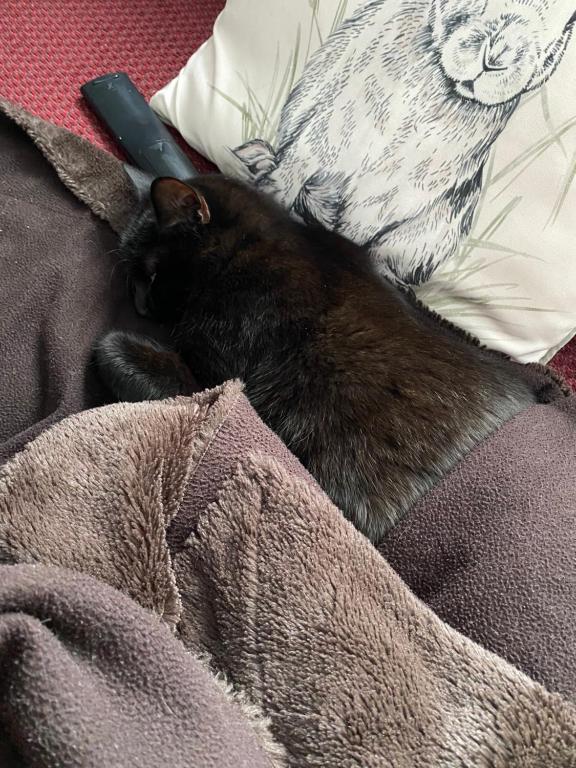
(193, 509)
(59, 288)
(288, 599)
(492, 548)
(88, 678)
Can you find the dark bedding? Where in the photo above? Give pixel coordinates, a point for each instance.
(262, 575)
(89, 679)
(58, 291)
(491, 549)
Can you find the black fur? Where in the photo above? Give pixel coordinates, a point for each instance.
(375, 396)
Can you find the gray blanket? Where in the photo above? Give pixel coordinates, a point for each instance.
(260, 572)
(492, 549)
(194, 510)
(89, 679)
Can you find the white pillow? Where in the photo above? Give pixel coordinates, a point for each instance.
(389, 131)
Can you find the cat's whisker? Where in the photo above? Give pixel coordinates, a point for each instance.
(120, 263)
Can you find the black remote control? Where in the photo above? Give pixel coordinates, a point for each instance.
(135, 127)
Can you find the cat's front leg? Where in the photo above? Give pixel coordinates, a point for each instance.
(136, 368)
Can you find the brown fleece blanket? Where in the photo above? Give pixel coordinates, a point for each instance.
(263, 573)
(58, 289)
(492, 548)
(207, 521)
(90, 679)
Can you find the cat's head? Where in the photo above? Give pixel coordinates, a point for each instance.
(495, 50)
(158, 246)
(188, 233)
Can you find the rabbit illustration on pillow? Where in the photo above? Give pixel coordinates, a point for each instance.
(385, 136)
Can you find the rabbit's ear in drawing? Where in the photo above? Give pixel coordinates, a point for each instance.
(436, 20)
(552, 56)
(257, 156)
(446, 15)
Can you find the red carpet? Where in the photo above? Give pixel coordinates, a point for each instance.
(565, 363)
(48, 48)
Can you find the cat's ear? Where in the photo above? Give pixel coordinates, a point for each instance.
(174, 201)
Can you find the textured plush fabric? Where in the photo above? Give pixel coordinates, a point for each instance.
(59, 288)
(492, 548)
(94, 176)
(90, 679)
(289, 600)
(239, 433)
(257, 568)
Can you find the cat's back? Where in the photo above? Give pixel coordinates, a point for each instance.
(377, 345)
(398, 344)
(398, 399)
(363, 328)
(374, 394)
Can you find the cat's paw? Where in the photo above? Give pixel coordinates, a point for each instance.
(136, 368)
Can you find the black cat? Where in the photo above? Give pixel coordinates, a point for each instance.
(375, 395)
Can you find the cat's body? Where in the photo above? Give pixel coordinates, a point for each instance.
(377, 397)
